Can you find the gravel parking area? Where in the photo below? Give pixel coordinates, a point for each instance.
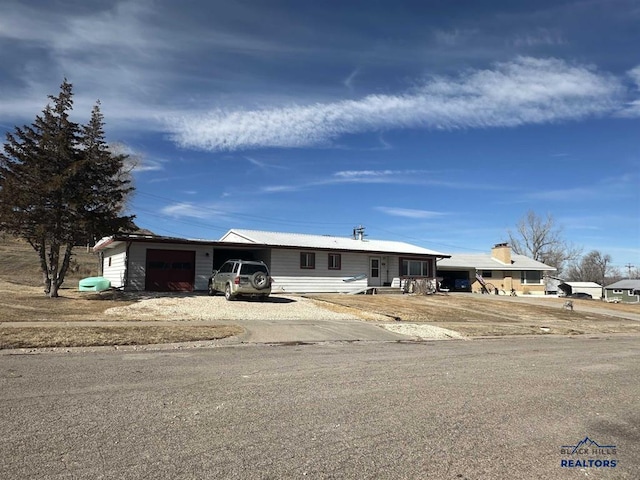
(202, 307)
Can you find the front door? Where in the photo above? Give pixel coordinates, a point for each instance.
(374, 272)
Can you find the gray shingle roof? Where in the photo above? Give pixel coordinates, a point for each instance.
(487, 262)
(628, 284)
(326, 242)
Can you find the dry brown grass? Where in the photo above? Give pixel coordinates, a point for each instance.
(481, 315)
(38, 336)
(21, 303)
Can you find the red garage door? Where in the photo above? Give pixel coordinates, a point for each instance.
(170, 270)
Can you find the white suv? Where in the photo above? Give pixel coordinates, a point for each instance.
(241, 277)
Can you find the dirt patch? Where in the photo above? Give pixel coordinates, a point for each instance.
(482, 315)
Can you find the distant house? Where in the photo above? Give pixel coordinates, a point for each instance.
(501, 269)
(571, 288)
(626, 291)
(299, 263)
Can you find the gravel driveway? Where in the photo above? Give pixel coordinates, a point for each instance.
(288, 316)
(202, 307)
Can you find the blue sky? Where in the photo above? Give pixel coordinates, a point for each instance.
(433, 122)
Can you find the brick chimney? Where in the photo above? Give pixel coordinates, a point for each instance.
(502, 253)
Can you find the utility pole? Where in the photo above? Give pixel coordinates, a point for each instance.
(629, 267)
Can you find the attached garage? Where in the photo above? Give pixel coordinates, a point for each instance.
(167, 264)
(170, 270)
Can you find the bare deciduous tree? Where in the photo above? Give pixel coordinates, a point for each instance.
(593, 267)
(541, 239)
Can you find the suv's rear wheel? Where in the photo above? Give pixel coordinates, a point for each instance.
(227, 292)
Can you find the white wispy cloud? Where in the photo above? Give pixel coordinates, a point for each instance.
(263, 165)
(389, 177)
(410, 212)
(541, 36)
(524, 91)
(632, 109)
(186, 209)
(624, 185)
(137, 161)
(220, 211)
(376, 176)
(451, 38)
(348, 82)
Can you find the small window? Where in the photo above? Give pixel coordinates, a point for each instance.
(335, 261)
(308, 260)
(487, 273)
(617, 292)
(158, 265)
(181, 266)
(530, 277)
(415, 268)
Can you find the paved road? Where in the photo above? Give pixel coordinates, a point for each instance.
(484, 409)
(269, 331)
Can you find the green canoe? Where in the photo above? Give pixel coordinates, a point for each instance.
(94, 284)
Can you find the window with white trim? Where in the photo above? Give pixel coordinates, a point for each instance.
(308, 260)
(415, 268)
(530, 277)
(335, 261)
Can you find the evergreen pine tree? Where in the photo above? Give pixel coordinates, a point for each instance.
(60, 186)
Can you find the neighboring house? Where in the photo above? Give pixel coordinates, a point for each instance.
(552, 285)
(570, 288)
(298, 263)
(627, 291)
(502, 269)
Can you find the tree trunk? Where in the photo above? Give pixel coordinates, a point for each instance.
(40, 247)
(66, 261)
(54, 259)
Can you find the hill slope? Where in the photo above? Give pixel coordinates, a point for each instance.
(19, 263)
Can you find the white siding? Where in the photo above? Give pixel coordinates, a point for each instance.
(138, 260)
(117, 256)
(595, 292)
(289, 277)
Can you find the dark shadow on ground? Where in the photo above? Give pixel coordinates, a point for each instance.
(266, 300)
